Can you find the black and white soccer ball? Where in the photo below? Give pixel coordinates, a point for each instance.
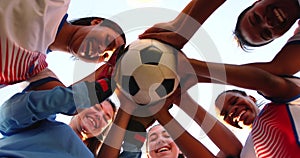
(146, 73)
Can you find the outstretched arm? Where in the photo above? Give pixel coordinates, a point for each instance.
(226, 141)
(189, 146)
(284, 63)
(248, 77)
(180, 30)
(112, 144)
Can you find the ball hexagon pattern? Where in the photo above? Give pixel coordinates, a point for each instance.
(146, 73)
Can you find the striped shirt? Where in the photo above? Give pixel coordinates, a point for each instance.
(27, 29)
(274, 134)
(18, 64)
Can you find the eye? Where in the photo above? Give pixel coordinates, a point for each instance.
(153, 138)
(165, 134)
(234, 100)
(107, 118)
(226, 109)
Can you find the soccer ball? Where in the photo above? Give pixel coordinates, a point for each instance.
(146, 72)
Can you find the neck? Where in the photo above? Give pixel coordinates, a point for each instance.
(63, 38)
(78, 133)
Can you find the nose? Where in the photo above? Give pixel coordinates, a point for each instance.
(242, 100)
(160, 141)
(98, 116)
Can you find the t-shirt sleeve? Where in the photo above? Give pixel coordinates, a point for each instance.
(32, 24)
(24, 109)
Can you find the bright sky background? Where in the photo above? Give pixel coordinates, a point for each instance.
(216, 33)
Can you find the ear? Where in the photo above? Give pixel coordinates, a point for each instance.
(96, 21)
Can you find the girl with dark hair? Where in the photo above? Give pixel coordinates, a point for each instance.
(160, 144)
(26, 43)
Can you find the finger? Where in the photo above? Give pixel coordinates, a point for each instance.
(150, 35)
(156, 30)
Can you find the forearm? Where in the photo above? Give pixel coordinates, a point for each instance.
(112, 144)
(215, 130)
(195, 14)
(177, 22)
(182, 137)
(284, 63)
(238, 75)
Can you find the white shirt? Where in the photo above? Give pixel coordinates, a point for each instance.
(28, 27)
(31, 24)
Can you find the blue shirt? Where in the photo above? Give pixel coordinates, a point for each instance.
(45, 139)
(29, 129)
(27, 121)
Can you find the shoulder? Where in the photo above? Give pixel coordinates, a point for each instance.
(295, 39)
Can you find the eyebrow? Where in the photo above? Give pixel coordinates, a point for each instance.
(152, 134)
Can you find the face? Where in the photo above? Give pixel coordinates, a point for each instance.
(91, 121)
(267, 20)
(160, 144)
(237, 108)
(95, 43)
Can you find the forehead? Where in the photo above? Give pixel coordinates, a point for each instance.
(106, 107)
(223, 100)
(156, 129)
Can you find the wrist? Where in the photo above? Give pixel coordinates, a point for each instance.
(163, 116)
(135, 133)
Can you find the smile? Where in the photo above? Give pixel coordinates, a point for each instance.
(91, 121)
(162, 149)
(237, 118)
(281, 17)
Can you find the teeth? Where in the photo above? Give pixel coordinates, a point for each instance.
(282, 13)
(279, 14)
(163, 149)
(92, 120)
(237, 118)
